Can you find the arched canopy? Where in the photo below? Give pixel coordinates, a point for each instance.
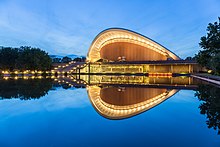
(114, 39)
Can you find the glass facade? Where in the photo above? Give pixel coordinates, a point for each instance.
(137, 68)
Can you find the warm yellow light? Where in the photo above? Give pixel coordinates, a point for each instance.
(209, 71)
(25, 77)
(5, 72)
(6, 78)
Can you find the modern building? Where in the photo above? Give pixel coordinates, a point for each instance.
(124, 45)
(117, 50)
(121, 51)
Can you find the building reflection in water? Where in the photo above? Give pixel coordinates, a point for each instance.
(114, 97)
(119, 97)
(124, 102)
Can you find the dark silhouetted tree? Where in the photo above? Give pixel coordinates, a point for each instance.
(24, 89)
(210, 45)
(24, 58)
(210, 106)
(66, 59)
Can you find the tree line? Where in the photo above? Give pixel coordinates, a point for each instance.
(24, 58)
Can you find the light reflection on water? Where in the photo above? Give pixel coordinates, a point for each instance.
(59, 112)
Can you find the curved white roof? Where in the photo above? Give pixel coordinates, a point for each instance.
(122, 35)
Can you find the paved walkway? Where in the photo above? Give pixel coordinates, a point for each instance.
(209, 78)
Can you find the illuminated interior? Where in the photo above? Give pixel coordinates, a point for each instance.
(121, 44)
(135, 80)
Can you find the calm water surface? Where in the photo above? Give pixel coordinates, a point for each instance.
(44, 112)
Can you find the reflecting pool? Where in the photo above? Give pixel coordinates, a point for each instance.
(95, 110)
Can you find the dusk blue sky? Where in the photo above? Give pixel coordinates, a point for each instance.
(69, 26)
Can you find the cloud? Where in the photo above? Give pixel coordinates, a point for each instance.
(23, 27)
(68, 27)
